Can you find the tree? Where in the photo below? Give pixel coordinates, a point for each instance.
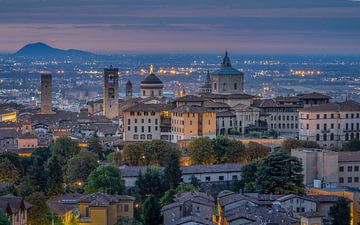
(81, 165)
(38, 178)
(39, 210)
(106, 179)
(115, 158)
(248, 176)
(64, 149)
(201, 152)
(24, 188)
(256, 151)
(279, 173)
(195, 182)
(352, 145)
(151, 211)
(220, 145)
(95, 146)
(168, 197)
(151, 182)
(172, 172)
(235, 152)
(55, 184)
(9, 173)
(236, 185)
(4, 220)
(340, 213)
(134, 154)
(292, 143)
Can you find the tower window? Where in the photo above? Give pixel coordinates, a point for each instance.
(235, 86)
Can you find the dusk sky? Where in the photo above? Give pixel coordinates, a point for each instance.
(184, 26)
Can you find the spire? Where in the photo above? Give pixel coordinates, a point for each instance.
(151, 68)
(226, 61)
(208, 79)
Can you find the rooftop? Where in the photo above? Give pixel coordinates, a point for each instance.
(347, 106)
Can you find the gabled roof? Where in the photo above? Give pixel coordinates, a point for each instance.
(101, 199)
(13, 204)
(347, 106)
(313, 95)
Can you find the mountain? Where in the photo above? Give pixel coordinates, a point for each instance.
(43, 50)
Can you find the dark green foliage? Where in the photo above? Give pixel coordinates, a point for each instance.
(64, 149)
(37, 176)
(201, 151)
(106, 179)
(228, 151)
(14, 159)
(81, 165)
(9, 173)
(4, 219)
(353, 145)
(54, 177)
(95, 147)
(151, 211)
(147, 153)
(236, 185)
(151, 182)
(340, 212)
(24, 188)
(195, 182)
(255, 151)
(167, 198)
(248, 176)
(220, 145)
(292, 143)
(279, 173)
(39, 210)
(172, 172)
(115, 158)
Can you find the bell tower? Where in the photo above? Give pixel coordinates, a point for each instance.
(129, 90)
(111, 92)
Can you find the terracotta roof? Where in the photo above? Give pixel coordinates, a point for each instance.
(101, 199)
(313, 95)
(226, 114)
(349, 156)
(12, 203)
(189, 98)
(337, 106)
(65, 203)
(191, 109)
(148, 107)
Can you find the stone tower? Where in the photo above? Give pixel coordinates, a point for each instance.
(129, 90)
(111, 92)
(46, 98)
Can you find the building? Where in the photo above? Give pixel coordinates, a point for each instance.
(46, 93)
(207, 174)
(27, 141)
(227, 80)
(190, 206)
(151, 86)
(16, 208)
(8, 115)
(192, 121)
(320, 167)
(8, 139)
(111, 92)
(311, 218)
(324, 168)
(100, 208)
(145, 122)
(206, 88)
(129, 89)
(330, 124)
(66, 207)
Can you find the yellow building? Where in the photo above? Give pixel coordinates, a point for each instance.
(8, 116)
(192, 121)
(103, 209)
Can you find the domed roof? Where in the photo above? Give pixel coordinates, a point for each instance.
(151, 78)
(226, 68)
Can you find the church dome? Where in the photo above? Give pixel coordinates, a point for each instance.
(151, 79)
(226, 68)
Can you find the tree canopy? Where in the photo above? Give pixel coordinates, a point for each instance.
(172, 172)
(292, 143)
(255, 151)
(95, 147)
(352, 145)
(201, 151)
(340, 212)
(151, 181)
(151, 211)
(81, 165)
(39, 210)
(106, 179)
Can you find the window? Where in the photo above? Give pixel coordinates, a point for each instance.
(349, 168)
(341, 180)
(87, 212)
(318, 126)
(119, 209)
(325, 115)
(356, 179)
(126, 208)
(156, 128)
(317, 137)
(156, 121)
(135, 120)
(317, 116)
(214, 86)
(235, 86)
(129, 128)
(132, 113)
(136, 136)
(234, 177)
(149, 136)
(221, 177)
(207, 179)
(142, 129)
(356, 168)
(349, 179)
(129, 121)
(146, 113)
(142, 136)
(142, 121)
(149, 120)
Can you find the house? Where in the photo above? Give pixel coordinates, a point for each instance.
(189, 208)
(218, 173)
(101, 209)
(8, 139)
(16, 208)
(66, 207)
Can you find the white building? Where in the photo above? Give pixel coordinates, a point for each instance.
(330, 124)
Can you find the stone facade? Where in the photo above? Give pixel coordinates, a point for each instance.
(111, 93)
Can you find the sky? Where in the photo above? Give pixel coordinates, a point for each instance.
(184, 26)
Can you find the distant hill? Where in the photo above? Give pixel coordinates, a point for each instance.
(43, 50)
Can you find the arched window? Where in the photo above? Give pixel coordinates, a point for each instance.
(317, 137)
(149, 136)
(332, 136)
(142, 136)
(346, 137)
(324, 137)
